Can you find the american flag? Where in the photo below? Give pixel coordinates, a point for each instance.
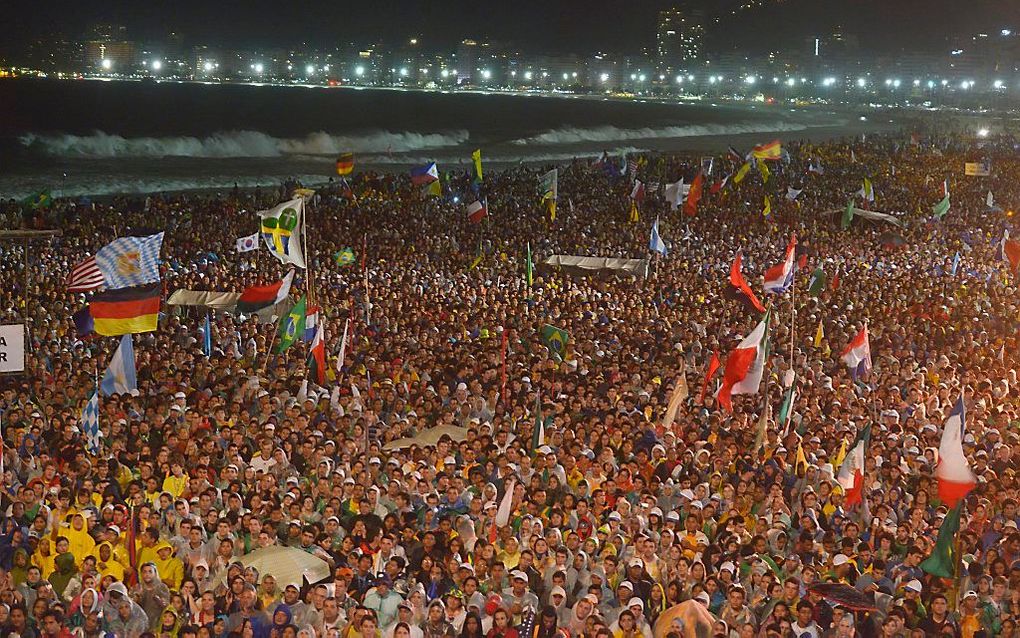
(90, 424)
(85, 276)
(632, 168)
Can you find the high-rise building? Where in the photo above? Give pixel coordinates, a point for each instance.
(680, 36)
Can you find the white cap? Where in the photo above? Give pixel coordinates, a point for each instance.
(839, 559)
(728, 566)
(627, 584)
(636, 562)
(914, 585)
(518, 574)
(702, 598)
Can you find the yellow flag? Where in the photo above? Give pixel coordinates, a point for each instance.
(634, 217)
(838, 461)
(742, 173)
(819, 334)
(765, 172)
(435, 188)
(801, 463)
(474, 264)
(476, 157)
(551, 203)
(768, 207)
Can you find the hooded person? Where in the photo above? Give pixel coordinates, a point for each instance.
(43, 557)
(19, 567)
(80, 542)
(86, 603)
(121, 615)
(582, 610)
(169, 623)
(282, 617)
(151, 593)
(65, 572)
(107, 563)
(171, 569)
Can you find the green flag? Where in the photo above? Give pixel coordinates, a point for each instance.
(942, 561)
(529, 268)
(556, 340)
(787, 407)
(848, 215)
(941, 208)
(816, 285)
(39, 200)
(344, 257)
(292, 326)
(538, 432)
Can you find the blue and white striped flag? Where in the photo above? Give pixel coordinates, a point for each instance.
(90, 425)
(130, 261)
(120, 376)
(655, 243)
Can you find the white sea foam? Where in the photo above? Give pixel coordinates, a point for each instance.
(576, 135)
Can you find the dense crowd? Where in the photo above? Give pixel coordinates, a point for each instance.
(614, 519)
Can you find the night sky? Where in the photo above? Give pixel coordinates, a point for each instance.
(537, 25)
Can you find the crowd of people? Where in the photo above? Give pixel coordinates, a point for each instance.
(615, 517)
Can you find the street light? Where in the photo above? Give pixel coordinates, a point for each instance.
(527, 75)
(445, 73)
(486, 74)
(603, 77)
(896, 84)
(359, 70)
(156, 65)
(998, 84)
(750, 79)
(107, 64)
(309, 70)
(208, 66)
(861, 82)
(403, 72)
(259, 68)
(679, 79)
(641, 78)
(791, 81)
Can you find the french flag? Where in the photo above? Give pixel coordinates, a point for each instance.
(424, 174)
(779, 278)
(857, 354)
(953, 472)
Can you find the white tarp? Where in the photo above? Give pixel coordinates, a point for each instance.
(428, 437)
(589, 265)
(872, 215)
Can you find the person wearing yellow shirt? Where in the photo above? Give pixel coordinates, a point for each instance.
(177, 481)
(79, 541)
(146, 552)
(43, 557)
(170, 568)
(107, 564)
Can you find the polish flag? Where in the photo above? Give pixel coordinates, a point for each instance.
(779, 278)
(953, 471)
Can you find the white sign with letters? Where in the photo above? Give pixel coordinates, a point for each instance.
(12, 348)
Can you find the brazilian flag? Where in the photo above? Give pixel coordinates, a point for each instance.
(556, 340)
(42, 199)
(292, 326)
(344, 257)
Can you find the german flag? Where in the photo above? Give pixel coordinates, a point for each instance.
(126, 310)
(345, 164)
(772, 151)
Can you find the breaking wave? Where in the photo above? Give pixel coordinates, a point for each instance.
(100, 187)
(236, 144)
(575, 135)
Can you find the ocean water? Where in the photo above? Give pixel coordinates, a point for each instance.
(81, 137)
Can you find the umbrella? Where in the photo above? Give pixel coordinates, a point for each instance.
(289, 565)
(428, 437)
(690, 619)
(844, 596)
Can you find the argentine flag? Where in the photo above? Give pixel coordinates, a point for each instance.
(120, 377)
(656, 244)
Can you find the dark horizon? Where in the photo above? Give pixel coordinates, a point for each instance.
(556, 27)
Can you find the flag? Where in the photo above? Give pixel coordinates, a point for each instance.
(800, 465)
(344, 256)
(311, 323)
(787, 407)
(529, 268)
(765, 212)
(476, 211)
(1009, 251)
(680, 393)
(816, 285)
(771, 151)
(120, 376)
(634, 216)
(742, 173)
(848, 215)
(556, 340)
(718, 186)
(281, 230)
(479, 255)
(130, 261)
(675, 194)
(126, 310)
(940, 209)
(85, 276)
(248, 244)
(424, 174)
(763, 169)
(779, 278)
(84, 324)
(206, 337)
(655, 243)
(945, 187)
(476, 158)
(853, 157)
(955, 477)
(694, 196)
(745, 365)
(637, 193)
(819, 335)
(503, 512)
(990, 203)
(291, 326)
(740, 284)
(840, 455)
(713, 367)
(90, 425)
(857, 354)
(345, 164)
(317, 356)
(341, 358)
(815, 166)
(550, 192)
(434, 189)
(792, 193)
(735, 155)
(851, 471)
(538, 431)
(943, 559)
(35, 201)
(867, 191)
(256, 298)
(956, 263)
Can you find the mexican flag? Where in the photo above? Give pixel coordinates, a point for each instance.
(942, 561)
(851, 472)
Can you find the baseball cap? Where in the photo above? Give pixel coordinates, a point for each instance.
(518, 575)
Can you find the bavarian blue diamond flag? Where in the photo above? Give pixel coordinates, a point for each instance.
(90, 425)
(281, 230)
(130, 261)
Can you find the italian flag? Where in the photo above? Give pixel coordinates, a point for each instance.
(745, 365)
(851, 472)
(953, 471)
